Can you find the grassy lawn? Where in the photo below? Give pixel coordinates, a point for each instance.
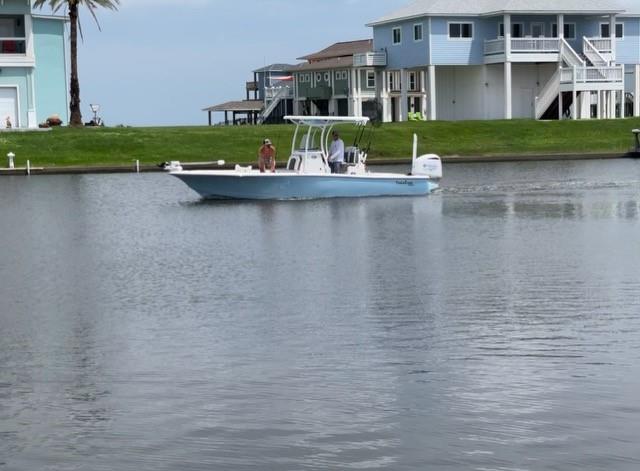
(120, 146)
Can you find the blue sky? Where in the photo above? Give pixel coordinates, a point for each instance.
(159, 62)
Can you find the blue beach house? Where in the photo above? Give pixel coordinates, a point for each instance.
(504, 59)
(33, 75)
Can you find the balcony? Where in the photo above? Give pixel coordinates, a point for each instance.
(370, 59)
(282, 92)
(523, 50)
(584, 77)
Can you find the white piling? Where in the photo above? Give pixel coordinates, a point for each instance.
(10, 156)
(28, 167)
(137, 166)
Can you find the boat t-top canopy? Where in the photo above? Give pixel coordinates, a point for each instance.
(322, 121)
(323, 124)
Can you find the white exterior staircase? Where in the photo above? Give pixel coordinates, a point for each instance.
(594, 74)
(274, 95)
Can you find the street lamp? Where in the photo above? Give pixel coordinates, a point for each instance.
(95, 108)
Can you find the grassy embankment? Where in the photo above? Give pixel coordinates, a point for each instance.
(121, 146)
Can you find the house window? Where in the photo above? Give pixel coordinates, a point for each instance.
(460, 30)
(517, 30)
(392, 84)
(371, 79)
(604, 30)
(341, 75)
(318, 76)
(417, 32)
(397, 35)
(327, 76)
(569, 30)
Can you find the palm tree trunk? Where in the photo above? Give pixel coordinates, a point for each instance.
(74, 86)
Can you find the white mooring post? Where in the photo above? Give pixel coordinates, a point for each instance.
(137, 166)
(28, 167)
(10, 157)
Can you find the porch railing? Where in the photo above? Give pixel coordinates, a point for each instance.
(370, 59)
(523, 46)
(613, 74)
(493, 46)
(535, 45)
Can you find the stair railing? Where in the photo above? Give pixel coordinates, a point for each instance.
(548, 93)
(593, 54)
(569, 55)
(283, 92)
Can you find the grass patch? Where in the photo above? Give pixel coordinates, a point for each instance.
(120, 146)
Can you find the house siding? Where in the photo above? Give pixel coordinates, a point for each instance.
(409, 53)
(448, 51)
(50, 74)
(15, 7)
(628, 48)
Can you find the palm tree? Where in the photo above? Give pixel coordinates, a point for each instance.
(72, 6)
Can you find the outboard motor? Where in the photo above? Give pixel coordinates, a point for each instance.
(428, 164)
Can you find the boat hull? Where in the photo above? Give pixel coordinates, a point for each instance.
(283, 186)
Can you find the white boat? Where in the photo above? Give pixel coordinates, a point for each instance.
(308, 175)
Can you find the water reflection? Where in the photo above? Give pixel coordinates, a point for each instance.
(492, 329)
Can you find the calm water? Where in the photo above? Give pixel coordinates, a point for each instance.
(492, 326)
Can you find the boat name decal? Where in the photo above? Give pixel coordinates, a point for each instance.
(404, 182)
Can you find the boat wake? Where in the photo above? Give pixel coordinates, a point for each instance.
(551, 187)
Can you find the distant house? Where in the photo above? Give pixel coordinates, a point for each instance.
(503, 59)
(33, 75)
(340, 80)
(269, 97)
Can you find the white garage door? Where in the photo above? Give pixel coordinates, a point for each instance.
(8, 106)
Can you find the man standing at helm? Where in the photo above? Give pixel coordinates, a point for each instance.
(336, 153)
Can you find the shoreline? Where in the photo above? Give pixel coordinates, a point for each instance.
(449, 159)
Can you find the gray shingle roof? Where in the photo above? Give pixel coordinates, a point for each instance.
(630, 7)
(275, 68)
(241, 106)
(488, 7)
(341, 49)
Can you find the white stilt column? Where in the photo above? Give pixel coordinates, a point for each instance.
(404, 87)
(560, 106)
(508, 90)
(636, 94)
(432, 93)
(610, 102)
(574, 105)
(423, 93)
(612, 34)
(585, 105)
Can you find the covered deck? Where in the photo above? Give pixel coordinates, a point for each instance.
(248, 110)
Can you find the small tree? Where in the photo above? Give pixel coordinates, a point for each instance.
(72, 7)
